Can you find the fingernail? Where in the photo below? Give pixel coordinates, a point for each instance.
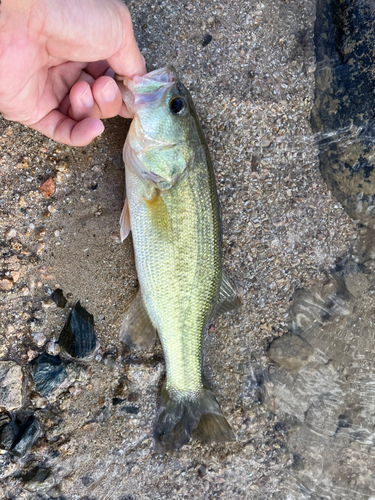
(87, 98)
(109, 91)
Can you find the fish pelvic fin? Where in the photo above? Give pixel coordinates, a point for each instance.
(180, 419)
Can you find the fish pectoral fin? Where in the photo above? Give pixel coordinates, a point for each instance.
(228, 299)
(137, 331)
(125, 221)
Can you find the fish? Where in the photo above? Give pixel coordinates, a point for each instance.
(173, 211)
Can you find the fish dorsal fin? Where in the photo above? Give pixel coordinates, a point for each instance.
(227, 300)
(125, 221)
(137, 331)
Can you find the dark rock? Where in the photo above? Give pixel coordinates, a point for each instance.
(8, 434)
(206, 40)
(117, 401)
(343, 111)
(28, 433)
(38, 480)
(77, 337)
(133, 410)
(58, 297)
(48, 372)
(201, 471)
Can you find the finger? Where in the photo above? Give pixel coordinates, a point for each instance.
(101, 100)
(107, 34)
(107, 96)
(96, 69)
(63, 129)
(82, 102)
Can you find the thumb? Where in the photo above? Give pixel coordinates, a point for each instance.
(93, 30)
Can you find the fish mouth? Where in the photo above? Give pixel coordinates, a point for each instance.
(146, 89)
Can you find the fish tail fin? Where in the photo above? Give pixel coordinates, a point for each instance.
(199, 417)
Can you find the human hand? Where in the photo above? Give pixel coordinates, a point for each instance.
(57, 60)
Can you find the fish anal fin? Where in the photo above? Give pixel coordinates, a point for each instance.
(137, 331)
(228, 299)
(125, 221)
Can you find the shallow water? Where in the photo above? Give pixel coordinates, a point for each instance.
(322, 383)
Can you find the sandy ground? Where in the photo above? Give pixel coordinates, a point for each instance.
(253, 88)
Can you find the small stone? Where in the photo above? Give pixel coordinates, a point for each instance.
(31, 354)
(6, 284)
(58, 297)
(201, 471)
(53, 348)
(28, 433)
(40, 248)
(206, 40)
(39, 338)
(40, 233)
(48, 188)
(10, 385)
(77, 337)
(22, 165)
(11, 233)
(59, 177)
(48, 372)
(51, 209)
(62, 167)
(38, 480)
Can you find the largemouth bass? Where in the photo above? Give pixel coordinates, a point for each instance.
(173, 211)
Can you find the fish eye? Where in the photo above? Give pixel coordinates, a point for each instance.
(177, 105)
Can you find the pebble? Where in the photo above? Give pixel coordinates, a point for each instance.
(28, 433)
(10, 385)
(11, 233)
(6, 284)
(39, 338)
(38, 480)
(77, 337)
(48, 188)
(48, 372)
(53, 348)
